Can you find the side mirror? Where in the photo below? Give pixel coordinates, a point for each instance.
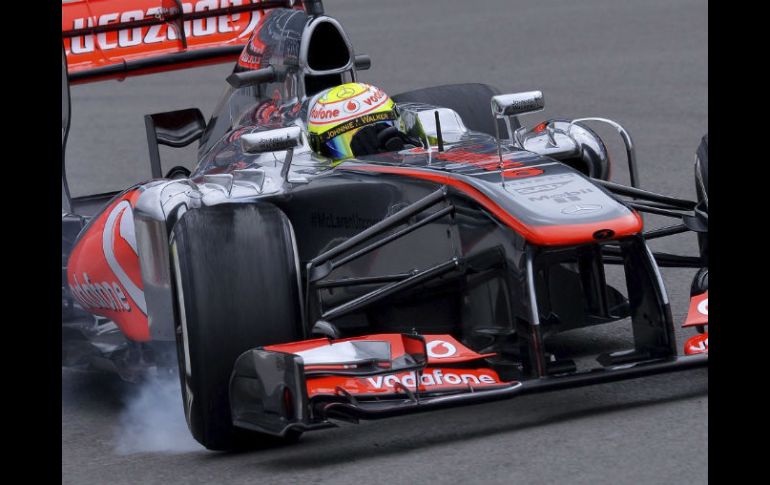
(267, 74)
(174, 129)
(504, 105)
(275, 140)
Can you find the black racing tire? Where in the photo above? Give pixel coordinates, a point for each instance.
(701, 189)
(472, 101)
(235, 274)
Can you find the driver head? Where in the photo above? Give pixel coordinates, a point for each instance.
(337, 114)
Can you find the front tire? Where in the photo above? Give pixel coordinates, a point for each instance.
(235, 274)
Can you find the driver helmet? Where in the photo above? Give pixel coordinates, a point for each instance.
(337, 114)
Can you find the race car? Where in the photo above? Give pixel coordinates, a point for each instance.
(294, 291)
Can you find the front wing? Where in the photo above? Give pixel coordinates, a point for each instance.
(310, 384)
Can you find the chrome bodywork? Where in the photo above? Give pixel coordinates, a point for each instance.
(564, 140)
(419, 120)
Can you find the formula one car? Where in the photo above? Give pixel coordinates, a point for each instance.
(294, 292)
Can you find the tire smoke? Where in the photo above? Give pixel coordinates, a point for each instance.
(153, 419)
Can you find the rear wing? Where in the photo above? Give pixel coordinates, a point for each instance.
(107, 39)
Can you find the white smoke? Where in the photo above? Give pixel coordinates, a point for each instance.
(153, 419)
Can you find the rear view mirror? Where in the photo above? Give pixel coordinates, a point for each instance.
(517, 103)
(506, 106)
(174, 129)
(272, 140)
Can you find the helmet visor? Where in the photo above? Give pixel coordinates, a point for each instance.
(339, 147)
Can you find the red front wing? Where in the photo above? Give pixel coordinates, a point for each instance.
(698, 316)
(310, 384)
(441, 373)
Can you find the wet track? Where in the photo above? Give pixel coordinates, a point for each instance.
(643, 64)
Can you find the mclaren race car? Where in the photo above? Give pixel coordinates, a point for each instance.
(294, 292)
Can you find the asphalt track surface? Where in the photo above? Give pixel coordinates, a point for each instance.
(641, 63)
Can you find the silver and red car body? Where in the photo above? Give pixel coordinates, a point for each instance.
(510, 211)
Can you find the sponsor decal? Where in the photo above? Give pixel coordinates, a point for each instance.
(110, 294)
(703, 307)
(355, 123)
(341, 221)
(541, 188)
(105, 295)
(375, 98)
(698, 313)
(103, 271)
(155, 34)
(433, 378)
(324, 114)
(560, 179)
(579, 209)
(352, 106)
(440, 349)
(562, 198)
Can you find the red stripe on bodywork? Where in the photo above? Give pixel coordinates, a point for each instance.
(561, 235)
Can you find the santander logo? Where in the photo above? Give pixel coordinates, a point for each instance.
(157, 34)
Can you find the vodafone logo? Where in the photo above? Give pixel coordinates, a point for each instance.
(324, 114)
(432, 378)
(97, 287)
(351, 106)
(703, 307)
(105, 295)
(376, 97)
(439, 349)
